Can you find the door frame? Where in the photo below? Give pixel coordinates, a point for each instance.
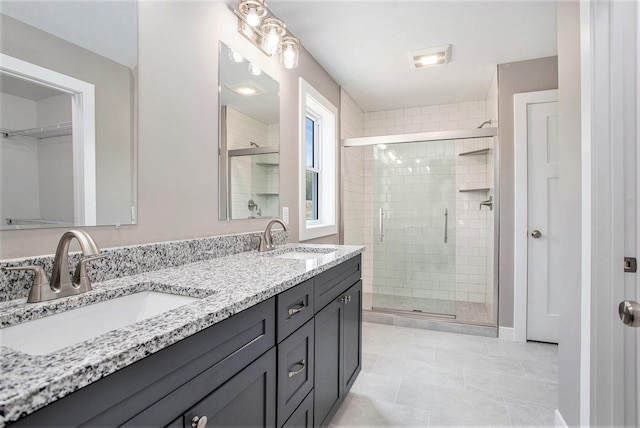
(521, 102)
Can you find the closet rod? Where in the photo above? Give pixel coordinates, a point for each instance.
(48, 131)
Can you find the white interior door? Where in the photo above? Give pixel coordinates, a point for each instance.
(543, 280)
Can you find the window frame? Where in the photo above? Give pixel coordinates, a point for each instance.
(315, 106)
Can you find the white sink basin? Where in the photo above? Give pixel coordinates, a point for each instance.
(48, 334)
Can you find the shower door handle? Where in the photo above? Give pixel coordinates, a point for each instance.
(381, 224)
(446, 225)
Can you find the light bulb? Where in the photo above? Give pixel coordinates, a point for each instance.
(252, 17)
(235, 56)
(273, 40)
(289, 54)
(254, 69)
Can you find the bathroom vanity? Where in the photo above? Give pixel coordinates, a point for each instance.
(276, 341)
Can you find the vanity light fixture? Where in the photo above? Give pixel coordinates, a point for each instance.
(258, 24)
(430, 57)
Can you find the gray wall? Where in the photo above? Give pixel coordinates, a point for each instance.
(516, 77)
(178, 130)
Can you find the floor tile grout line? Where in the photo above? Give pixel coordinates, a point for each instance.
(507, 410)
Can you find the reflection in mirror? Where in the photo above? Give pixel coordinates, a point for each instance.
(68, 177)
(47, 130)
(254, 182)
(249, 139)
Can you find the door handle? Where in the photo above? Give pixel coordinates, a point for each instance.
(381, 214)
(536, 233)
(629, 312)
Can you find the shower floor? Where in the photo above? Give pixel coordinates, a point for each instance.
(447, 310)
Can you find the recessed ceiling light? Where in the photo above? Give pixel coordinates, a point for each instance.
(247, 89)
(430, 57)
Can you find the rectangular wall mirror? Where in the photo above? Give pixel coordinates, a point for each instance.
(67, 121)
(249, 142)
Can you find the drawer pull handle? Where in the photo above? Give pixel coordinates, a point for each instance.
(295, 309)
(292, 373)
(345, 299)
(199, 422)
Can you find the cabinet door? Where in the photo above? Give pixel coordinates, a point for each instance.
(352, 325)
(328, 389)
(248, 399)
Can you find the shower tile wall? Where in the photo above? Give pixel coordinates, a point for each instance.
(474, 258)
(249, 178)
(465, 115)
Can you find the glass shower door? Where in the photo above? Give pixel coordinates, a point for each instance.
(414, 238)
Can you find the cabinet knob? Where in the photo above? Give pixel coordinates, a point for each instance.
(199, 422)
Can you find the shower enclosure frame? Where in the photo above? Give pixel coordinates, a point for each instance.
(443, 136)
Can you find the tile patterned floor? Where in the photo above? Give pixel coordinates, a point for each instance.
(422, 378)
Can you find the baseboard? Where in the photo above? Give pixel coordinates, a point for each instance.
(506, 333)
(560, 423)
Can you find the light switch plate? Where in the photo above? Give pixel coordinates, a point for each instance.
(285, 215)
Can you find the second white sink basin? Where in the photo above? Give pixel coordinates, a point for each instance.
(301, 253)
(48, 334)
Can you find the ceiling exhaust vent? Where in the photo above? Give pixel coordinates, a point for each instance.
(430, 57)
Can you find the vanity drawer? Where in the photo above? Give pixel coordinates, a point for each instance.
(294, 307)
(295, 370)
(302, 417)
(330, 284)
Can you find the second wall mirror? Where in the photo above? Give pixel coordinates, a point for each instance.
(249, 143)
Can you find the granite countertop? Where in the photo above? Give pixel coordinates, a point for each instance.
(225, 286)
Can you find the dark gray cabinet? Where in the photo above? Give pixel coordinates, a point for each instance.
(274, 364)
(338, 355)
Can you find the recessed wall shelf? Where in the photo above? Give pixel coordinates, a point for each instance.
(267, 194)
(476, 189)
(268, 164)
(475, 152)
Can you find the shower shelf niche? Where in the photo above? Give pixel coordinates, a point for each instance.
(268, 164)
(267, 194)
(476, 189)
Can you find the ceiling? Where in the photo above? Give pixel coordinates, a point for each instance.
(364, 45)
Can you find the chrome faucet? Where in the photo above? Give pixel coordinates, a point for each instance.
(62, 284)
(266, 241)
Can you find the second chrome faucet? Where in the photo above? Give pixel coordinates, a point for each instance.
(62, 283)
(266, 241)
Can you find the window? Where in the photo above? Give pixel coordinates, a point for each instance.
(317, 164)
